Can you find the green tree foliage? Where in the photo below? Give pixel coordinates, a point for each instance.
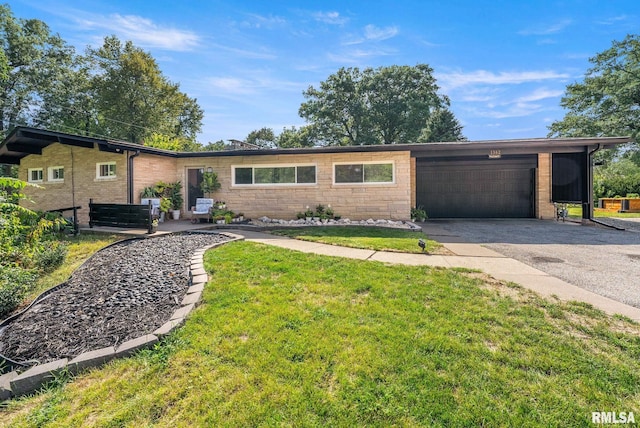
(617, 178)
(296, 137)
(27, 244)
(442, 126)
(386, 105)
(176, 144)
(607, 101)
(32, 60)
(134, 99)
(214, 147)
(263, 137)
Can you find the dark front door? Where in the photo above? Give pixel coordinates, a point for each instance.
(194, 178)
(487, 188)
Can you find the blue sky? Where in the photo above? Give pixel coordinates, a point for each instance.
(504, 64)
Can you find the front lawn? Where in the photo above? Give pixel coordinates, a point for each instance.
(368, 238)
(291, 339)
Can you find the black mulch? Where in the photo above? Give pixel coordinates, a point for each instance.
(123, 292)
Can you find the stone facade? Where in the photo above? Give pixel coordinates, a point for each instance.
(354, 201)
(544, 206)
(80, 179)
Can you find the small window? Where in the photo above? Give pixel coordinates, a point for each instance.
(56, 174)
(364, 173)
(106, 170)
(35, 175)
(276, 175)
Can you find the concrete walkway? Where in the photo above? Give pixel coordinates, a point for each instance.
(466, 255)
(472, 256)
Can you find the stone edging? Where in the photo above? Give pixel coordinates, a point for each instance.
(15, 383)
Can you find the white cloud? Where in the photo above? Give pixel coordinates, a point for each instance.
(371, 32)
(540, 94)
(458, 79)
(261, 21)
(143, 31)
(614, 20)
(333, 18)
(544, 30)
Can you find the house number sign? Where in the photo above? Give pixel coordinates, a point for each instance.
(495, 154)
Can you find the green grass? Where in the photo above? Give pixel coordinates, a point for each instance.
(291, 339)
(576, 211)
(369, 238)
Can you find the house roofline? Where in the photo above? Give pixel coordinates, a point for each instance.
(23, 141)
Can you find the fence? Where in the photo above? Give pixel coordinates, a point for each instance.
(121, 215)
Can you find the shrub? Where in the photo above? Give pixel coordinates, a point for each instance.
(49, 256)
(15, 283)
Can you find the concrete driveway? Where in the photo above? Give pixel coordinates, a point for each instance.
(604, 261)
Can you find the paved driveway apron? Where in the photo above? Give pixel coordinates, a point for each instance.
(604, 261)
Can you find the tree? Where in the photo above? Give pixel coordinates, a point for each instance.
(263, 137)
(135, 100)
(607, 101)
(295, 137)
(386, 105)
(31, 62)
(176, 144)
(214, 147)
(442, 126)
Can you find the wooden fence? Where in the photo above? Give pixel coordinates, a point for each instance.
(121, 215)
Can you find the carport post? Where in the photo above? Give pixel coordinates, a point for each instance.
(587, 188)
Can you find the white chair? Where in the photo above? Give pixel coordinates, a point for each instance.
(155, 205)
(202, 209)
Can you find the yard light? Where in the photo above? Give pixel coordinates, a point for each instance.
(421, 244)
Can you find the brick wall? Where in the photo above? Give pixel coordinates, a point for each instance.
(149, 169)
(79, 174)
(354, 201)
(544, 206)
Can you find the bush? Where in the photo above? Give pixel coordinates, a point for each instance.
(49, 256)
(15, 283)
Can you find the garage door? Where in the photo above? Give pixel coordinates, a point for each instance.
(487, 188)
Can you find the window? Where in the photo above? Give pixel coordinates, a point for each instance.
(363, 173)
(35, 175)
(275, 175)
(56, 174)
(106, 170)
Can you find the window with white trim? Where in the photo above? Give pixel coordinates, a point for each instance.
(367, 172)
(55, 174)
(35, 175)
(274, 175)
(106, 170)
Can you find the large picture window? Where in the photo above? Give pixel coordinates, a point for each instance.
(363, 173)
(275, 175)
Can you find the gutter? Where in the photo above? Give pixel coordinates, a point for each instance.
(130, 176)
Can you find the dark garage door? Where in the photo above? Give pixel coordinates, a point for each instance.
(487, 188)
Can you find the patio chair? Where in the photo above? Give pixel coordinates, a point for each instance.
(202, 209)
(155, 206)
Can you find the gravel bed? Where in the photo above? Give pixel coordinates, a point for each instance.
(123, 292)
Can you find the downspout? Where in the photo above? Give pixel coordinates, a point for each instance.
(130, 176)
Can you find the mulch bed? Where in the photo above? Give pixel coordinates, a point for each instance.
(123, 292)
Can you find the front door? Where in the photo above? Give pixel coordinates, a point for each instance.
(194, 178)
